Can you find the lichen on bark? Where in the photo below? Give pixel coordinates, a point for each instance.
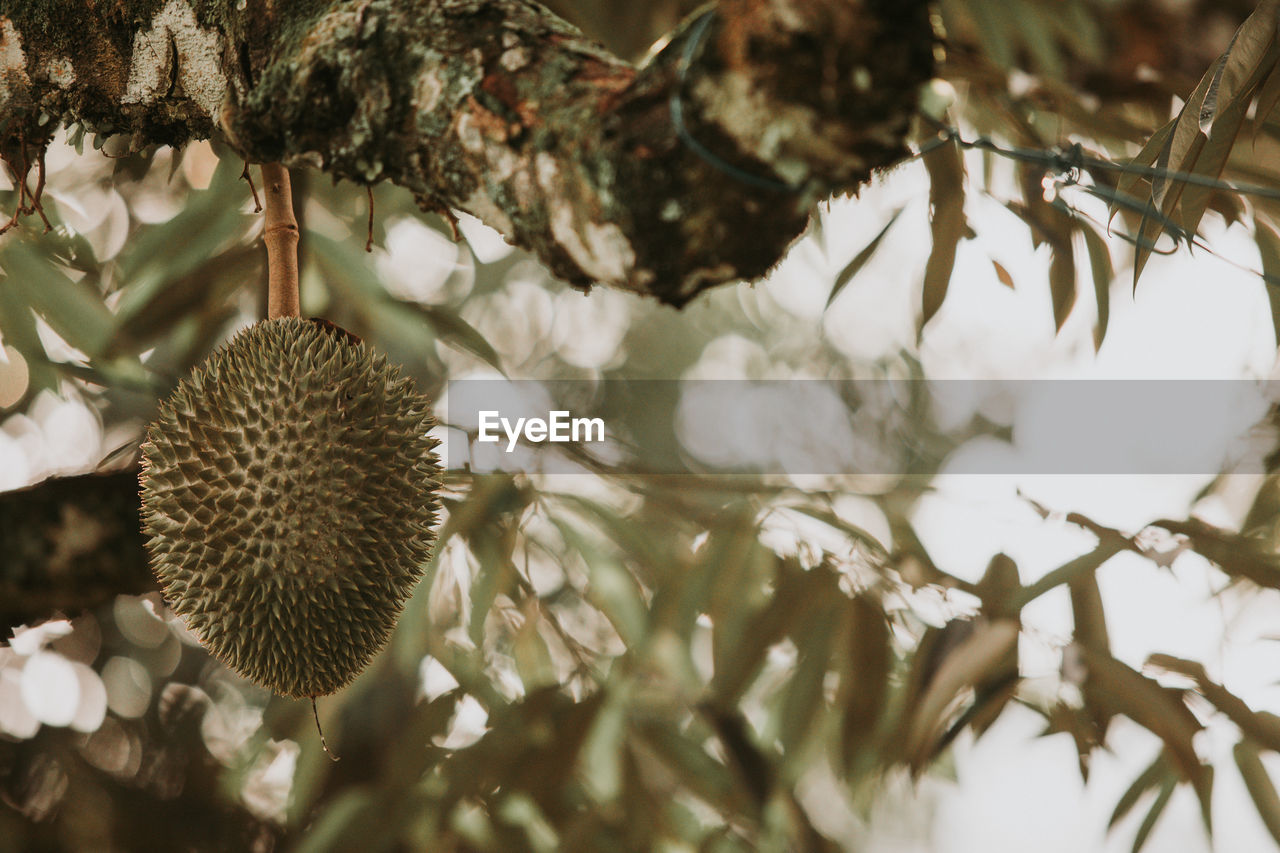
(499, 108)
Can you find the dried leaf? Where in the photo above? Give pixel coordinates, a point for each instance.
(946, 223)
(1102, 272)
(1003, 274)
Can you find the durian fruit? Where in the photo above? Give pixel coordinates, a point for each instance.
(288, 490)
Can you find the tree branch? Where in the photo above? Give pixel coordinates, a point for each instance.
(631, 176)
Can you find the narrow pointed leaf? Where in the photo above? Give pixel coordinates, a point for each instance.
(946, 224)
(1261, 788)
(860, 260)
(1102, 271)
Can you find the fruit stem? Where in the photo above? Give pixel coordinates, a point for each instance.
(320, 731)
(281, 237)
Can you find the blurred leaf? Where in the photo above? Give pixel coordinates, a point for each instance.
(1157, 808)
(1268, 241)
(496, 574)
(1155, 774)
(1205, 130)
(18, 325)
(74, 310)
(612, 588)
(1268, 97)
(1054, 223)
(860, 536)
(352, 273)
(343, 824)
(737, 664)
(1119, 689)
(632, 535)
(1090, 632)
(978, 657)
(602, 750)
(530, 652)
(533, 746)
(1062, 284)
(945, 165)
(753, 768)
(804, 696)
(175, 299)
(702, 775)
(725, 558)
(159, 255)
(1237, 556)
(1085, 564)
(1263, 728)
(864, 686)
(1102, 272)
(1003, 274)
(452, 329)
(860, 260)
(1261, 788)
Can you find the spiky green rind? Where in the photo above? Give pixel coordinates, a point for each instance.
(288, 490)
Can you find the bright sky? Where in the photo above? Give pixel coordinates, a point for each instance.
(1193, 317)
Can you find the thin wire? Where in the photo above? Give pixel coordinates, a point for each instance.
(1073, 159)
(676, 105)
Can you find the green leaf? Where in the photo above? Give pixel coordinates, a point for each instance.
(530, 652)
(701, 774)
(803, 699)
(452, 329)
(737, 664)
(864, 686)
(1268, 97)
(860, 260)
(612, 588)
(73, 309)
(159, 255)
(496, 575)
(18, 325)
(156, 315)
(1268, 241)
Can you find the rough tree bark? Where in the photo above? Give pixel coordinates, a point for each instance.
(500, 109)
